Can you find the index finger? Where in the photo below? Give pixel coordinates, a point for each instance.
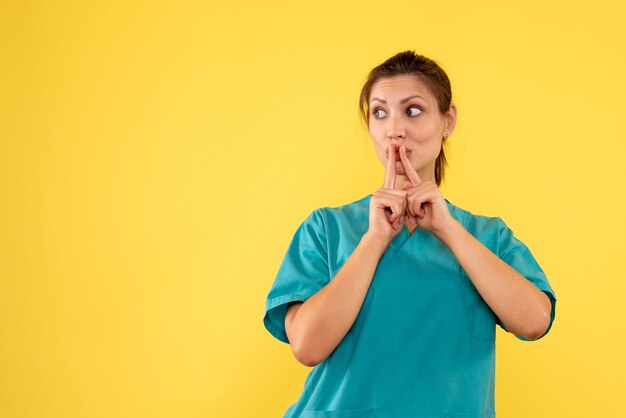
(408, 168)
(390, 173)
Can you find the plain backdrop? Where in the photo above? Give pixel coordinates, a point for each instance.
(157, 157)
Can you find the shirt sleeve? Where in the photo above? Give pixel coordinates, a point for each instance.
(303, 272)
(516, 254)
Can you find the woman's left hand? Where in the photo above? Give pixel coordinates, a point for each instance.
(425, 203)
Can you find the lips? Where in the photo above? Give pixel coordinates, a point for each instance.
(408, 154)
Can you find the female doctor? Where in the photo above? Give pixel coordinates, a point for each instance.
(393, 299)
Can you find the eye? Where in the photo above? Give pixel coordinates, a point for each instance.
(379, 113)
(413, 111)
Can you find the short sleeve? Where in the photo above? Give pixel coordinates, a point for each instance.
(516, 254)
(303, 272)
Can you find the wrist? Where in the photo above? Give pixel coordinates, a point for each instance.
(448, 234)
(371, 240)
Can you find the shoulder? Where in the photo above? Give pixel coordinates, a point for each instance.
(353, 215)
(485, 228)
(475, 221)
(355, 209)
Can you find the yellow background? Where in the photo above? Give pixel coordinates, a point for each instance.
(156, 159)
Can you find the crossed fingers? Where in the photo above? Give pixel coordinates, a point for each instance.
(414, 181)
(395, 199)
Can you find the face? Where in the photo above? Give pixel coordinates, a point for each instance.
(402, 111)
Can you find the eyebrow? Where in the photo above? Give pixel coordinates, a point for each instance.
(401, 101)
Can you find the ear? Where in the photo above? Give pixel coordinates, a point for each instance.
(450, 120)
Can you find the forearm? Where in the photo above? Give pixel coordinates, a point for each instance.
(325, 318)
(523, 309)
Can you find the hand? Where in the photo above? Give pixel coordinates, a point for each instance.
(387, 205)
(425, 205)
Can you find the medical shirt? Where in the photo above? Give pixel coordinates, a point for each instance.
(423, 343)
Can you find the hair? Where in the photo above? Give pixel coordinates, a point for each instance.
(426, 70)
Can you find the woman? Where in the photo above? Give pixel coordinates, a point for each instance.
(394, 297)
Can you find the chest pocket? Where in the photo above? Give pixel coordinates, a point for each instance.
(480, 319)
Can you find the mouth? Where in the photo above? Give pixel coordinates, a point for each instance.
(408, 154)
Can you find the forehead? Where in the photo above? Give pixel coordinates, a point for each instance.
(398, 87)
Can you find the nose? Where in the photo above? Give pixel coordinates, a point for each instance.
(395, 128)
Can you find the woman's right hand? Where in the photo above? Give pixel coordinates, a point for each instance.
(387, 205)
